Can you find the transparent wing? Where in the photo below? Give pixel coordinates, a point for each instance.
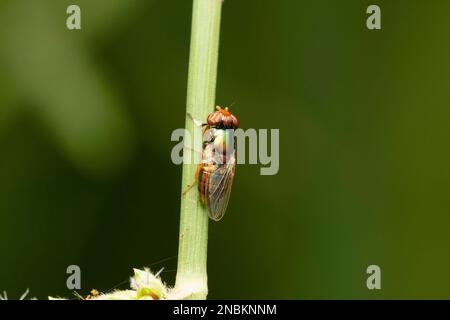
(219, 189)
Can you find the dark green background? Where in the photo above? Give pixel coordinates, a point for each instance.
(85, 124)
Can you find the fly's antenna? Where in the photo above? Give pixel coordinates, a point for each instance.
(232, 104)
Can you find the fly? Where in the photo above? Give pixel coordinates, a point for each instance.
(215, 173)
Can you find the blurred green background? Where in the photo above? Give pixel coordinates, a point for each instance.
(85, 124)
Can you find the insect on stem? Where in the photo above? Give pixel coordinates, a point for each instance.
(191, 279)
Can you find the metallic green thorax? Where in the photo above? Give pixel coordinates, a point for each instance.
(223, 142)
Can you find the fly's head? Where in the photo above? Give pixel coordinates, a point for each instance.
(223, 119)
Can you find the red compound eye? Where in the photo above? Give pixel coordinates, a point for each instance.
(222, 118)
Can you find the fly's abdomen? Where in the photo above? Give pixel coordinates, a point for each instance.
(204, 177)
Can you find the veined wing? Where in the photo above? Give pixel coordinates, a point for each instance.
(219, 189)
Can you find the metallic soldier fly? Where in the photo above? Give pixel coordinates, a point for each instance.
(215, 173)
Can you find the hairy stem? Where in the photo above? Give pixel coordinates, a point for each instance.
(193, 242)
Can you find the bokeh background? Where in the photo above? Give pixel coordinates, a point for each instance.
(85, 124)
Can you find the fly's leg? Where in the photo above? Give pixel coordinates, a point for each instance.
(198, 123)
(190, 186)
(195, 150)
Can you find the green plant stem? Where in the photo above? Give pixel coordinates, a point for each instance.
(193, 242)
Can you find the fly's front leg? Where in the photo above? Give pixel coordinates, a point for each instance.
(200, 152)
(190, 186)
(198, 123)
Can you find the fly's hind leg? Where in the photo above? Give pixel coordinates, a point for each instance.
(190, 186)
